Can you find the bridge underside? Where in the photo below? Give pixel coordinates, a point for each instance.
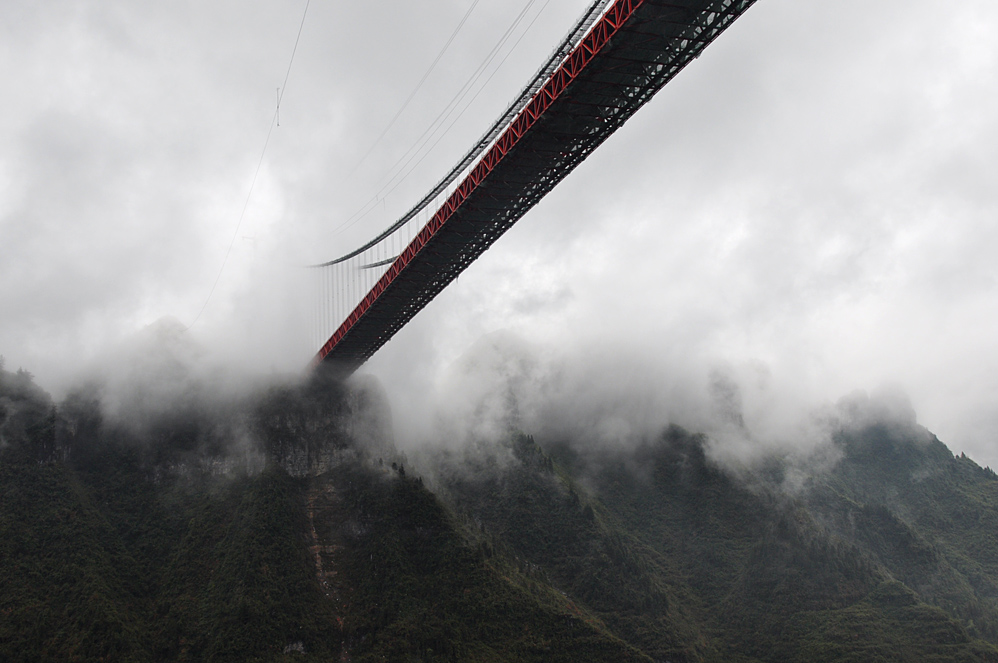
(614, 71)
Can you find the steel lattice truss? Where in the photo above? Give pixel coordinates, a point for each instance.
(621, 54)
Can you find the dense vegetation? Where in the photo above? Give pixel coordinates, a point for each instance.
(112, 549)
(687, 563)
(169, 538)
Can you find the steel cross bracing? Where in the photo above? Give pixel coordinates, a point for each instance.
(618, 56)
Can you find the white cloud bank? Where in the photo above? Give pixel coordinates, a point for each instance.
(813, 200)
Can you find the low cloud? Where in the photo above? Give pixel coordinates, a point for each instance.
(749, 414)
(800, 213)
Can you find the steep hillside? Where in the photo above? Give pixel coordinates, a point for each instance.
(284, 525)
(160, 542)
(931, 519)
(687, 563)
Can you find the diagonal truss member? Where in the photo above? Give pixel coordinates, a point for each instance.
(619, 55)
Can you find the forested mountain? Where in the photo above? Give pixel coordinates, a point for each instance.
(283, 525)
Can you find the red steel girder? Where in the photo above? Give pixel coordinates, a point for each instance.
(634, 20)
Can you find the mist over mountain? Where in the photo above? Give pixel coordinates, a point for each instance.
(166, 510)
(661, 459)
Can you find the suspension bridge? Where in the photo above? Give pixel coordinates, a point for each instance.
(617, 56)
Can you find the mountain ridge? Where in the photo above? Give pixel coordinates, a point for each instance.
(173, 538)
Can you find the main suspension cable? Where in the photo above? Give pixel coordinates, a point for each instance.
(434, 126)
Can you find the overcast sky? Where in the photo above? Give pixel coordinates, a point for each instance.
(811, 206)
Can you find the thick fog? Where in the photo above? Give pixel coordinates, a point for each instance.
(808, 210)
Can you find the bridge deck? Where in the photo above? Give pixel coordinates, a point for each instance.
(624, 59)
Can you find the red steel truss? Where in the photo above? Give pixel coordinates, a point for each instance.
(634, 49)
